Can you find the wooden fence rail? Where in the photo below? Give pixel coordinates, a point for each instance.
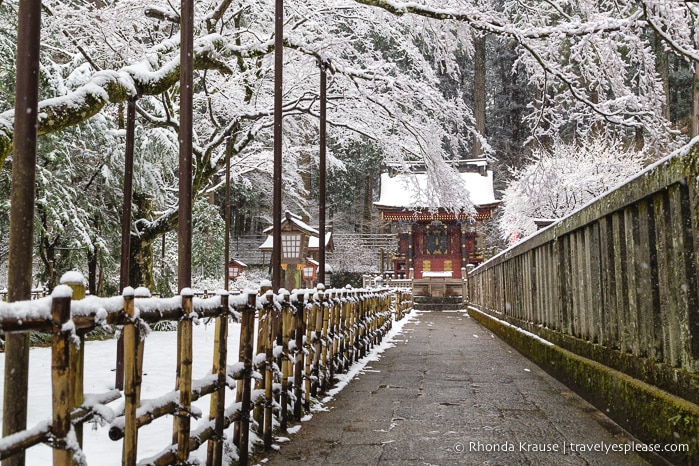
(303, 339)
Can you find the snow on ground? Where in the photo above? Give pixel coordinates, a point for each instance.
(159, 365)
(158, 379)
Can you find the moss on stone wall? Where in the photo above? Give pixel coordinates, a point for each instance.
(650, 414)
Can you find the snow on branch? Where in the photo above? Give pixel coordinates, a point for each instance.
(110, 87)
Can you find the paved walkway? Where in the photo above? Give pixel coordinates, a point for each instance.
(450, 393)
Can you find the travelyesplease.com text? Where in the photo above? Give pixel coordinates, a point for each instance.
(570, 447)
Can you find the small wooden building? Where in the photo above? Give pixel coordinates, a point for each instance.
(235, 268)
(434, 242)
(300, 247)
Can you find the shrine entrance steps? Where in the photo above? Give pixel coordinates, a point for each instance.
(444, 303)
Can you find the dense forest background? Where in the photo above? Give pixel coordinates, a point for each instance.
(516, 82)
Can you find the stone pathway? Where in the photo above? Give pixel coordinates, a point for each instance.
(450, 393)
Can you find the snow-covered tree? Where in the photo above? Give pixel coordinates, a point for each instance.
(592, 62)
(98, 55)
(561, 180)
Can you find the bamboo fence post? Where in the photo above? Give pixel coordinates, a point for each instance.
(61, 376)
(262, 339)
(269, 363)
(350, 328)
(347, 334)
(241, 357)
(332, 334)
(371, 316)
(355, 325)
(326, 344)
(130, 339)
(378, 319)
(299, 324)
(361, 306)
(368, 319)
(335, 327)
(217, 406)
(308, 348)
(140, 292)
(247, 329)
(317, 340)
(376, 313)
(287, 324)
(185, 381)
(76, 282)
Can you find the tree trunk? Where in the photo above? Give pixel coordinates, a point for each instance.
(662, 65)
(305, 172)
(695, 102)
(92, 272)
(368, 202)
(479, 95)
(141, 262)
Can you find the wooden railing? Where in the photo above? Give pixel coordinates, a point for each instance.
(616, 281)
(302, 341)
(403, 302)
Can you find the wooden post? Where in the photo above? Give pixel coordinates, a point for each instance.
(19, 259)
(347, 334)
(263, 316)
(76, 282)
(287, 323)
(60, 375)
(130, 342)
(185, 380)
(217, 405)
(317, 341)
(246, 336)
(140, 292)
(332, 335)
(299, 355)
(310, 327)
(269, 363)
(326, 344)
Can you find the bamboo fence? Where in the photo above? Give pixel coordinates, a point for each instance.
(303, 340)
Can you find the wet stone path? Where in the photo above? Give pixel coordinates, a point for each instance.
(451, 393)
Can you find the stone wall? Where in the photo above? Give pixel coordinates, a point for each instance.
(614, 288)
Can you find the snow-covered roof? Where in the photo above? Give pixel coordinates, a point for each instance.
(296, 220)
(408, 190)
(268, 244)
(313, 241)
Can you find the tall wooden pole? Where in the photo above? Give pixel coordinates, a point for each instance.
(227, 239)
(22, 215)
(184, 225)
(277, 178)
(126, 227)
(181, 425)
(321, 170)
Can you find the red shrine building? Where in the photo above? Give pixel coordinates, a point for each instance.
(432, 241)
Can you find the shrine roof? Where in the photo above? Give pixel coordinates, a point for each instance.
(298, 225)
(296, 221)
(409, 190)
